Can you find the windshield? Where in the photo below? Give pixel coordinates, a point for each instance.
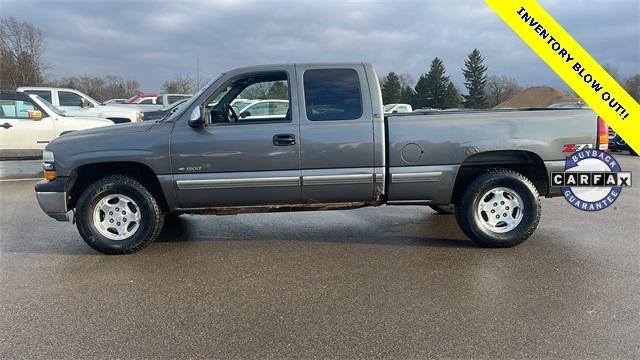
(176, 114)
(51, 106)
(388, 107)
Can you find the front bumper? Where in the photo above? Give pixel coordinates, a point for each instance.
(52, 198)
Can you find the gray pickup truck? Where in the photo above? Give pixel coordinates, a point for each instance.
(334, 149)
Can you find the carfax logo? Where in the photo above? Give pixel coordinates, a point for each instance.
(592, 180)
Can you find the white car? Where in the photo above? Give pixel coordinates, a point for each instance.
(397, 108)
(262, 109)
(74, 102)
(28, 123)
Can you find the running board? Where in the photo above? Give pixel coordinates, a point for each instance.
(275, 208)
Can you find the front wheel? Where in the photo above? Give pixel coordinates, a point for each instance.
(499, 209)
(118, 215)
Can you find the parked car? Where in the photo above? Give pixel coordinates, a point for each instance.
(397, 108)
(264, 109)
(617, 143)
(29, 122)
(153, 103)
(164, 112)
(74, 102)
(135, 99)
(334, 150)
(114, 101)
(569, 105)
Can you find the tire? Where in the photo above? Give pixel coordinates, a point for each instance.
(444, 209)
(475, 207)
(130, 198)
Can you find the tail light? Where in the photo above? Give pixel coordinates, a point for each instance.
(603, 135)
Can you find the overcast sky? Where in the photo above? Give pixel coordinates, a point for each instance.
(151, 41)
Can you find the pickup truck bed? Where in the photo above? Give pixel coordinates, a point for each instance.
(333, 149)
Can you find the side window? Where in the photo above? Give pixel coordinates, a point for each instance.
(257, 110)
(146, 101)
(68, 98)
(45, 94)
(278, 108)
(332, 94)
(159, 100)
(16, 109)
(251, 96)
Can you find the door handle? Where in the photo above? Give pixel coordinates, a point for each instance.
(284, 139)
(6, 125)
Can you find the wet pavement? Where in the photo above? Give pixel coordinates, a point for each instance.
(387, 282)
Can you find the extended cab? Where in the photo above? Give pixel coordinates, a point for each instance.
(332, 149)
(76, 103)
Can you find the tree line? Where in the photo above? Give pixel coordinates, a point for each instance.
(435, 89)
(22, 47)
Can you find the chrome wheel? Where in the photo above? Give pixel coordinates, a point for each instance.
(500, 210)
(116, 217)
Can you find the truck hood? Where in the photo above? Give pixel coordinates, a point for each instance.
(86, 119)
(113, 131)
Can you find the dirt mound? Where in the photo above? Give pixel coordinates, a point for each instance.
(536, 96)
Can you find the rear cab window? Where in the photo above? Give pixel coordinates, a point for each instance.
(332, 94)
(45, 94)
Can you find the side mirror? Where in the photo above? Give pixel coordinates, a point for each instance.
(85, 104)
(394, 111)
(245, 114)
(196, 120)
(35, 115)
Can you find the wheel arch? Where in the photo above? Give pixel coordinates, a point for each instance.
(524, 162)
(86, 174)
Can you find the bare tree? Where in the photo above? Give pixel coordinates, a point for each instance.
(500, 88)
(100, 88)
(632, 85)
(179, 85)
(21, 48)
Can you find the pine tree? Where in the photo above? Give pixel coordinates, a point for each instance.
(451, 97)
(475, 75)
(432, 86)
(391, 89)
(408, 96)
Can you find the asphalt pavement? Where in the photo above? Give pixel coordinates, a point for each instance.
(387, 282)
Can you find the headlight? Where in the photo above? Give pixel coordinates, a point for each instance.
(48, 165)
(47, 156)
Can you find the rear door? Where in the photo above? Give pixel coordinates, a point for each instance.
(336, 129)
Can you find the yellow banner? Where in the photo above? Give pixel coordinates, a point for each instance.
(573, 64)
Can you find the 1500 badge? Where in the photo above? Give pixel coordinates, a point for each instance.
(190, 168)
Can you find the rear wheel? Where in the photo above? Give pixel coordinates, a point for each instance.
(118, 215)
(499, 209)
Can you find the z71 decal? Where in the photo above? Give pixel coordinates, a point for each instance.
(571, 148)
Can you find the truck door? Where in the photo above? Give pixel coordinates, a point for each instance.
(336, 129)
(238, 161)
